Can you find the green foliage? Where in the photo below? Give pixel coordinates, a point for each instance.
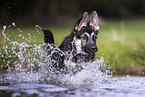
(122, 45)
(139, 54)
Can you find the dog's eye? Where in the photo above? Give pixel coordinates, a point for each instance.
(84, 37)
(94, 37)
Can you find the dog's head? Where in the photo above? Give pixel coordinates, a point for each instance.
(86, 31)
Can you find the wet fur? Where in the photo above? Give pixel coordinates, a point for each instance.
(73, 50)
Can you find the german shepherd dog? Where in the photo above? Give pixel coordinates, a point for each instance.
(76, 48)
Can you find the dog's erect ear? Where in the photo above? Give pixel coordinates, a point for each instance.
(82, 22)
(94, 21)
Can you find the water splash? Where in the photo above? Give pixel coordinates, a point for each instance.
(4, 28)
(90, 74)
(28, 62)
(37, 26)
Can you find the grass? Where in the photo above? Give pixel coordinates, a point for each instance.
(120, 43)
(123, 46)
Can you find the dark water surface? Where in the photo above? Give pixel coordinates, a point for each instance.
(112, 87)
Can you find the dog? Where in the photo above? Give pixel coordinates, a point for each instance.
(76, 48)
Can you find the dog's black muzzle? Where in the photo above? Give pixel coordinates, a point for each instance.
(90, 49)
(93, 48)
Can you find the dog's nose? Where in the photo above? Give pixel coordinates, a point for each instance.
(94, 48)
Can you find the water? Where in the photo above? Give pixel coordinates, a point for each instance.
(29, 74)
(114, 87)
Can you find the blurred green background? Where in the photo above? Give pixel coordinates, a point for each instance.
(121, 39)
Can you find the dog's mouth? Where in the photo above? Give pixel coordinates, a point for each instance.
(91, 49)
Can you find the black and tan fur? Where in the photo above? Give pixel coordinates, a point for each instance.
(78, 47)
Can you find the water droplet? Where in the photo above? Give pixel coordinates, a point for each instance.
(4, 27)
(13, 24)
(20, 35)
(9, 26)
(37, 26)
